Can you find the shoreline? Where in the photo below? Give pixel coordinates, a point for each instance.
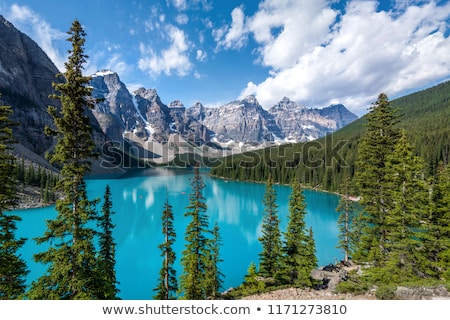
(280, 184)
(30, 198)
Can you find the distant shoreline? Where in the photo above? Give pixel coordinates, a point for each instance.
(31, 198)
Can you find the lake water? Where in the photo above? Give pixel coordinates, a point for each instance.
(138, 201)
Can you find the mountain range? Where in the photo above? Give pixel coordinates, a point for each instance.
(140, 119)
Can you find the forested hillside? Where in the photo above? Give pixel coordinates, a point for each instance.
(324, 163)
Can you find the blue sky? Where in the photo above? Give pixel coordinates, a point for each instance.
(316, 52)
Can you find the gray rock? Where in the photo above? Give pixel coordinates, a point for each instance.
(26, 76)
(422, 293)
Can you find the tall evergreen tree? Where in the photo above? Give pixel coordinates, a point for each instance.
(348, 221)
(13, 269)
(270, 257)
(250, 279)
(251, 283)
(107, 256)
(46, 197)
(375, 146)
(214, 276)
(295, 267)
(311, 256)
(167, 284)
(405, 245)
(439, 241)
(71, 257)
(195, 254)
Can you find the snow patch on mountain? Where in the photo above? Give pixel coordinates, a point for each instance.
(102, 73)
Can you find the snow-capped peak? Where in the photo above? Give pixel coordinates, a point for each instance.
(102, 73)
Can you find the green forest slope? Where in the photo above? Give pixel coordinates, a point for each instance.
(325, 162)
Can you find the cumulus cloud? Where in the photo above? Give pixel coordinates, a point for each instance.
(117, 64)
(182, 19)
(180, 4)
(201, 55)
(39, 30)
(234, 36)
(319, 56)
(174, 59)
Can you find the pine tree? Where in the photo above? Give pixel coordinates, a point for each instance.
(270, 257)
(406, 254)
(13, 269)
(107, 261)
(214, 276)
(250, 278)
(251, 284)
(46, 192)
(375, 146)
(439, 241)
(195, 254)
(295, 267)
(310, 255)
(71, 258)
(167, 285)
(349, 222)
(21, 170)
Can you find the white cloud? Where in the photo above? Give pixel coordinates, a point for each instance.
(201, 55)
(404, 4)
(132, 87)
(154, 21)
(107, 55)
(317, 59)
(234, 36)
(192, 4)
(218, 34)
(208, 23)
(288, 29)
(39, 30)
(182, 19)
(180, 4)
(117, 64)
(173, 59)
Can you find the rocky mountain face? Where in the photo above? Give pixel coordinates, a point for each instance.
(117, 112)
(26, 75)
(240, 121)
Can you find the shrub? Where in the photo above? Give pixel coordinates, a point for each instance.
(351, 286)
(386, 292)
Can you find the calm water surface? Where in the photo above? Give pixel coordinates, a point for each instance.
(138, 201)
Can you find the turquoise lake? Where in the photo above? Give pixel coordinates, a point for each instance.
(138, 201)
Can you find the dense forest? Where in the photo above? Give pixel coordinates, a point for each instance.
(326, 162)
(29, 174)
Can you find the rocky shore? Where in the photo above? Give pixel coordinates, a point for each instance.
(307, 294)
(402, 293)
(30, 198)
(331, 275)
